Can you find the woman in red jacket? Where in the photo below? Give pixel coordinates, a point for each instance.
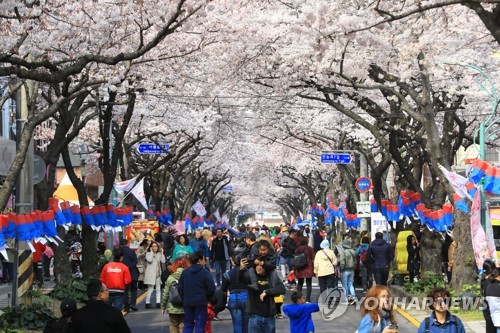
(306, 272)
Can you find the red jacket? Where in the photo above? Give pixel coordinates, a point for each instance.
(115, 275)
(40, 248)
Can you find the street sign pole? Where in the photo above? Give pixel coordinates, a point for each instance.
(363, 172)
(24, 189)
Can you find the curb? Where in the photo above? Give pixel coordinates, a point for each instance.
(407, 316)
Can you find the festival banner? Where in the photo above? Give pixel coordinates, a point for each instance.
(138, 192)
(479, 243)
(125, 185)
(199, 208)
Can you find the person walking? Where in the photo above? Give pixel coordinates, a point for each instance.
(238, 296)
(347, 265)
(492, 294)
(488, 277)
(198, 243)
(377, 312)
(317, 238)
(288, 250)
(116, 276)
(260, 306)
(97, 316)
(130, 260)
(37, 262)
(365, 266)
(167, 241)
(196, 287)
(451, 258)
(305, 272)
(182, 248)
(47, 256)
(381, 254)
(175, 312)
(325, 268)
(141, 263)
(220, 255)
(441, 320)
(152, 275)
(413, 249)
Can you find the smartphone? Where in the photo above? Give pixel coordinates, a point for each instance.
(393, 326)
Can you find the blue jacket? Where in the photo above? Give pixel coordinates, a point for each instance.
(300, 316)
(196, 286)
(130, 260)
(200, 245)
(367, 325)
(452, 324)
(380, 252)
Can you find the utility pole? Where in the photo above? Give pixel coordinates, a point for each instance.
(24, 184)
(363, 196)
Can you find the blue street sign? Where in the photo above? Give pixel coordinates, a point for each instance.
(336, 158)
(363, 184)
(228, 188)
(152, 148)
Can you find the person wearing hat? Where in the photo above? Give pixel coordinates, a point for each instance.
(325, 267)
(61, 325)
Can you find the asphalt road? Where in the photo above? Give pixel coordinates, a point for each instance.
(152, 321)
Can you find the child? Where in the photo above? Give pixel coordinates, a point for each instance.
(278, 300)
(300, 314)
(263, 255)
(210, 316)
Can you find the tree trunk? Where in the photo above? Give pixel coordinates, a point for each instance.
(62, 266)
(464, 266)
(430, 245)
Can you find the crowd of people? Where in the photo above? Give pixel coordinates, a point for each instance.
(253, 268)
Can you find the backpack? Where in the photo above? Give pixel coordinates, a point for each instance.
(300, 260)
(363, 257)
(428, 323)
(173, 294)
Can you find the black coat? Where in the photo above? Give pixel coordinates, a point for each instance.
(413, 258)
(98, 317)
(289, 247)
(130, 260)
(381, 253)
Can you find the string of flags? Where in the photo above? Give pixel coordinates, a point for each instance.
(466, 188)
(41, 226)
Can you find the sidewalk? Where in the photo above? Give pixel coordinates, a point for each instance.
(6, 292)
(416, 316)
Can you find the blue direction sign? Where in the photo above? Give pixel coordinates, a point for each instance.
(152, 148)
(228, 188)
(336, 158)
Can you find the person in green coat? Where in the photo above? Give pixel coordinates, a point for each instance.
(175, 313)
